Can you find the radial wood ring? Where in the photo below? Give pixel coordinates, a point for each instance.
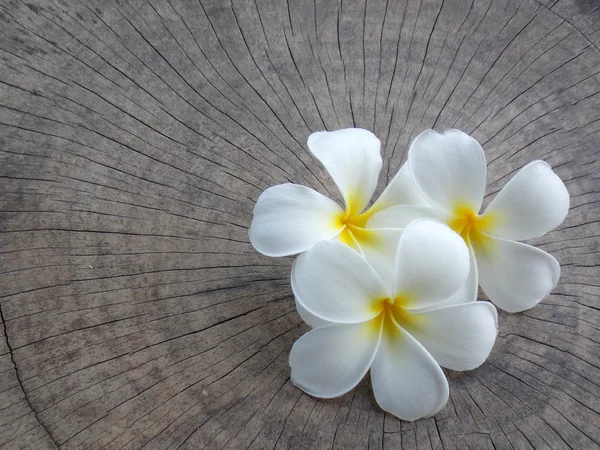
(135, 138)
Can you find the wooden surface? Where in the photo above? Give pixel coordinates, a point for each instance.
(135, 138)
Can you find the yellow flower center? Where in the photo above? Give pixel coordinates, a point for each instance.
(393, 311)
(354, 224)
(354, 227)
(473, 227)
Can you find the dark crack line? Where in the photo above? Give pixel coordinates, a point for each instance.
(12, 358)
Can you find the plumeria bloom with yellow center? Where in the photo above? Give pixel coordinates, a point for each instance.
(289, 218)
(449, 170)
(398, 328)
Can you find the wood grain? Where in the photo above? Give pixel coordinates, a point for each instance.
(135, 138)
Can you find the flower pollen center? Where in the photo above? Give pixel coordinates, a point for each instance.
(472, 227)
(354, 227)
(393, 312)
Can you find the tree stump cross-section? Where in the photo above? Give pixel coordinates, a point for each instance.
(135, 138)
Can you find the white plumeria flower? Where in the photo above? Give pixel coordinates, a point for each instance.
(449, 170)
(396, 327)
(289, 218)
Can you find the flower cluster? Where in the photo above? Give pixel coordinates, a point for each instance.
(393, 288)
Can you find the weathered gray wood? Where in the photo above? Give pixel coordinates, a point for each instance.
(135, 137)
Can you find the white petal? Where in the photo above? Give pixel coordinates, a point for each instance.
(329, 361)
(402, 190)
(468, 291)
(290, 218)
(379, 247)
(310, 319)
(352, 158)
(449, 169)
(532, 203)
(459, 337)
(335, 283)
(516, 276)
(431, 265)
(400, 216)
(407, 382)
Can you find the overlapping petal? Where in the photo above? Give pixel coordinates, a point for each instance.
(352, 158)
(402, 190)
(331, 360)
(532, 203)
(309, 318)
(407, 381)
(379, 247)
(468, 291)
(458, 337)
(449, 169)
(401, 215)
(516, 276)
(432, 263)
(289, 219)
(335, 283)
